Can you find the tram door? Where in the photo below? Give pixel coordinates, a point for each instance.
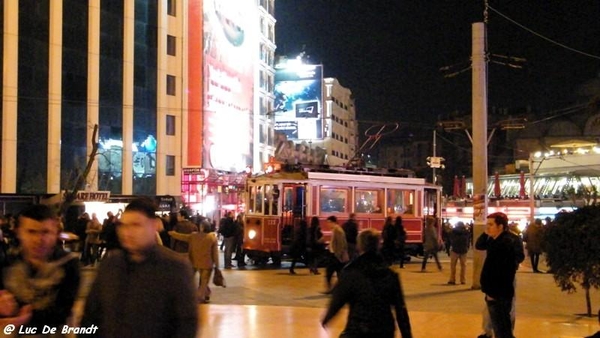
(293, 211)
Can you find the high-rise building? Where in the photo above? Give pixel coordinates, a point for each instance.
(315, 118)
(180, 90)
(69, 66)
(341, 127)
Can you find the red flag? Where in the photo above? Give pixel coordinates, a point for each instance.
(522, 185)
(497, 188)
(456, 190)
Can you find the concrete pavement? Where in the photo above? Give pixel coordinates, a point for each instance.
(272, 303)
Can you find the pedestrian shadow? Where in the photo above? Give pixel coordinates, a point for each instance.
(438, 292)
(314, 297)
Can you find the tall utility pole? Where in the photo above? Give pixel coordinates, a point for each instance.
(480, 159)
(434, 180)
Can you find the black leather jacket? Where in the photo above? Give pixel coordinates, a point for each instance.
(371, 289)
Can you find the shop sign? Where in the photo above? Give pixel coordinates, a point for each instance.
(93, 196)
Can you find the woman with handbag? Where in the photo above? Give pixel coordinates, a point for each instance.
(204, 255)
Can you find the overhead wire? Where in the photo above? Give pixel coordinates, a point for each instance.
(542, 36)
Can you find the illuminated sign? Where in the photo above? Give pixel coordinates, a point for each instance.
(298, 102)
(143, 156)
(222, 54)
(93, 196)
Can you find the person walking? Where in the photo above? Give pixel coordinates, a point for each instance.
(227, 230)
(338, 249)
(351, 230)
(431, 243)
(401, 241)
(240, 255)
(143, 289)
(315, 245)
(92, 240)
(298, 247)
(183, 226)
(390, 237)
(372, 290)
(203, 254)
(504, 253)
(459, 246)
(533, 239)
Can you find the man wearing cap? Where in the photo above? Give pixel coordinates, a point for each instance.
(504, 254)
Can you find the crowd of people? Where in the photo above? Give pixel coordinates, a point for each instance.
(149, 263)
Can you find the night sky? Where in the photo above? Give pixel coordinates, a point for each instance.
(389, 53)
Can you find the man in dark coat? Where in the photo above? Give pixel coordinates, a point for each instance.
(459, 243)
(504, 254)
(371, 289)
(144, 289)
(44, 276)
(351, 230)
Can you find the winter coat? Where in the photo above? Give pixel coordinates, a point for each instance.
(371, 290)
(534, 238)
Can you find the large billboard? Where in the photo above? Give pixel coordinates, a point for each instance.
(223, 116)
(298, 102)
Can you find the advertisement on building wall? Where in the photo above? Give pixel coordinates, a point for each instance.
(298, 102)
(227, 61)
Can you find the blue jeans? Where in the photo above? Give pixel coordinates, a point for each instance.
(500, 316)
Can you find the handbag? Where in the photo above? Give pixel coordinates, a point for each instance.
(218, 278)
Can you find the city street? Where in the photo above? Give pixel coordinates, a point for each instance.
(270, 302)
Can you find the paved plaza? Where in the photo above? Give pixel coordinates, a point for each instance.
(269, 302)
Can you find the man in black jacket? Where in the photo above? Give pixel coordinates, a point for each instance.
(504, 254)
(371, 289)
(351, 230)
(143, 289)
(43, 276)
(459, 243)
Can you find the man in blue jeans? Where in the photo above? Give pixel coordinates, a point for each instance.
(504, 254)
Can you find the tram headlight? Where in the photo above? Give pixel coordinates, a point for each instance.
(251, 234)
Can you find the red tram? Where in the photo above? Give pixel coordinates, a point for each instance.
(276, 202)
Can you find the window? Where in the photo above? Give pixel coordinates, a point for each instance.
(171, 5)
(368, 201)
(333, 199)
(400, 201)
(170, 85)
(170, 167)
(170, 125)
(171, 45)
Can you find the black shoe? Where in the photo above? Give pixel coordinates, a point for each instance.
(292, 272)
(483, 335)
(452, 283)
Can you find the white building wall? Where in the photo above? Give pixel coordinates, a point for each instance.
(263, 86)
(173, 105)
(341, 127)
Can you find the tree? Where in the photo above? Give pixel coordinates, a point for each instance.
(573, 250)
(71, 195)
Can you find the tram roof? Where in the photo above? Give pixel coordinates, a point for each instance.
(345, 174)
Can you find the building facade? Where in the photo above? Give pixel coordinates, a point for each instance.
(161, 87)
(315, 117)
(341, 126)
(70, 66)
